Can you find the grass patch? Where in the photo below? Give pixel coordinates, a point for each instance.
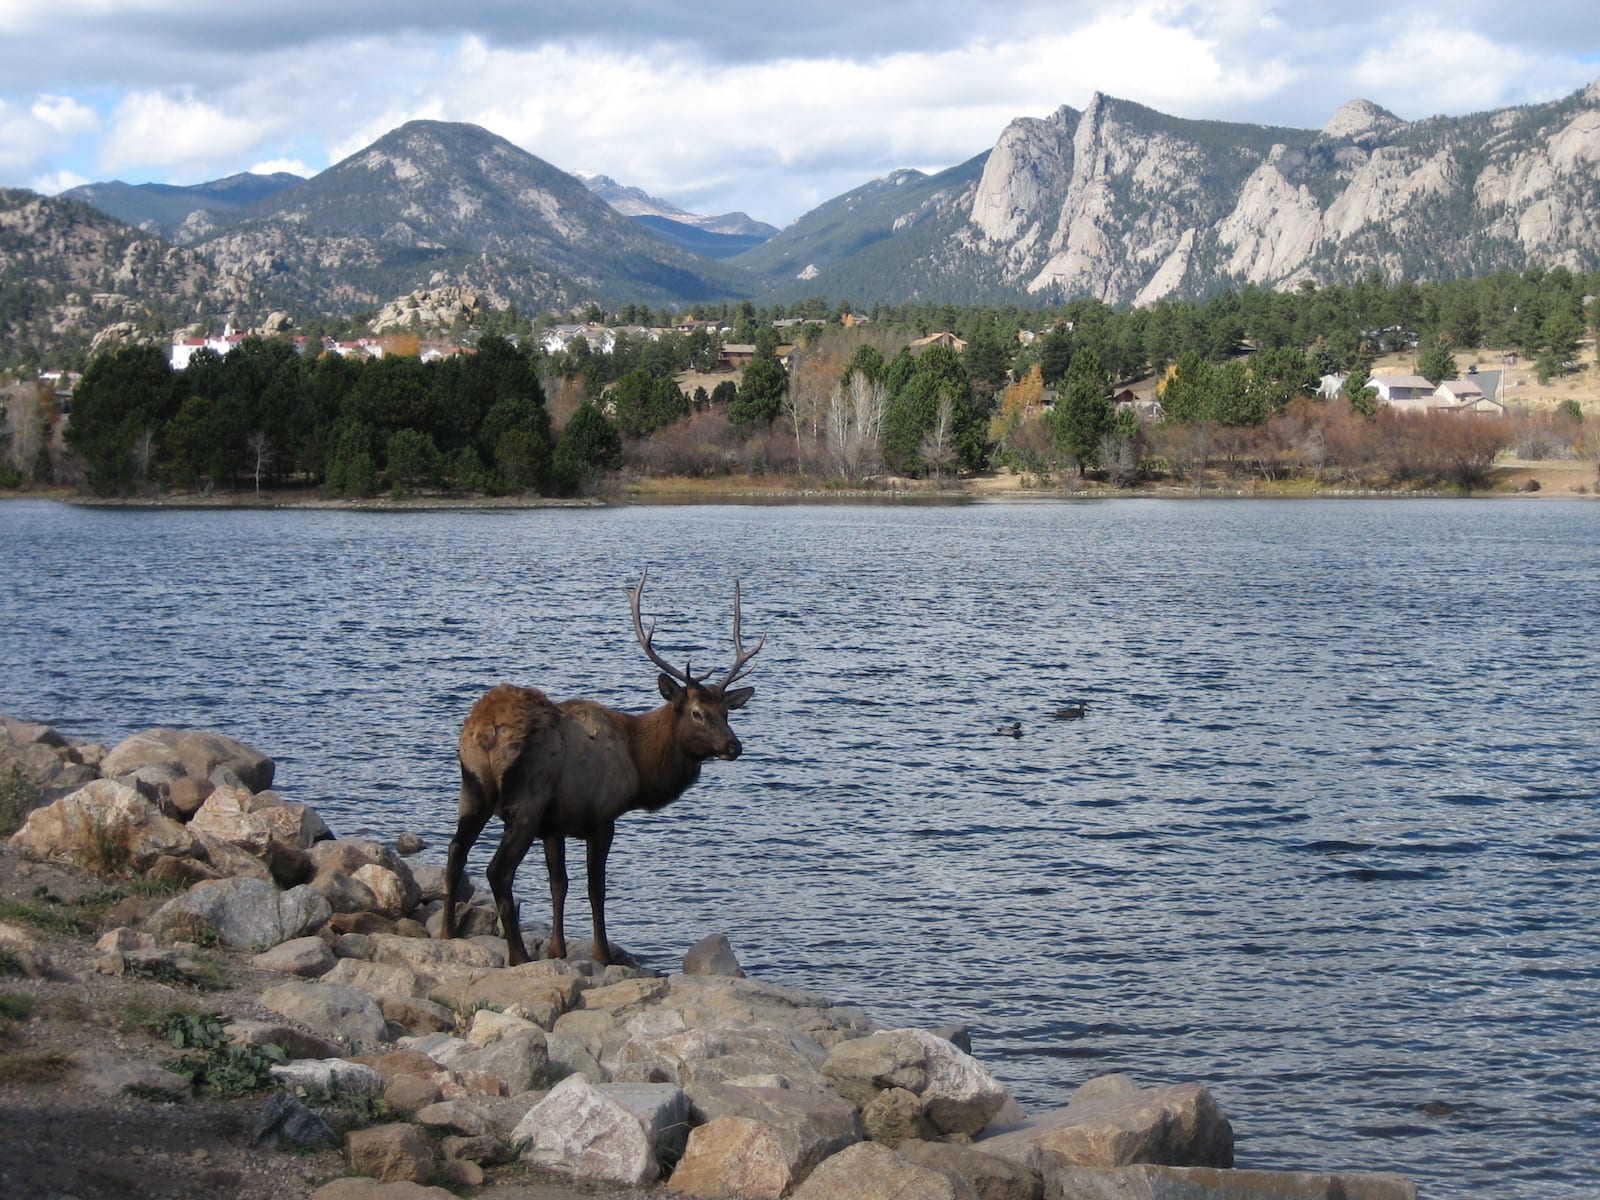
(48, 914)
(15, 1007)
(10, 968)
(33, 1066)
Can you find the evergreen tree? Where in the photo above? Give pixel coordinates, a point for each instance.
(588, 445)
(1083, 412)
(760, 396)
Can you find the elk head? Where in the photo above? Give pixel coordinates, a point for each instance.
(700, 708)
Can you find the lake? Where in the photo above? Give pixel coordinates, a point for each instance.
(1327, 839)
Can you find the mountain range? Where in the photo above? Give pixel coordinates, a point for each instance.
(1116, 201)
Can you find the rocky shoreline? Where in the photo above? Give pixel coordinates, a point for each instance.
(469, 1074)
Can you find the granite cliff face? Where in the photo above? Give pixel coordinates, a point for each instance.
(1127, 205)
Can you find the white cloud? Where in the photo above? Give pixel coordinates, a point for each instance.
(65, 115)
(291, 166)
(176, 134)
(57, 182)
(714, 105)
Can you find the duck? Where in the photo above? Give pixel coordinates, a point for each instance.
(1011, 729)
(1071, 712)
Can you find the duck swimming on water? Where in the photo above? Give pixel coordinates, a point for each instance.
(1011, 729)
(1071, 712)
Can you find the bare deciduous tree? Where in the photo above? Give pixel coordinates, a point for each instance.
(260, 456)
(853, 420)
(937, 450)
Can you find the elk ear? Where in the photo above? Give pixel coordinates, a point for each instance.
(737, 697)
(670, 691)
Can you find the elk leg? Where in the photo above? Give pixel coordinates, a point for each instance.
(474, 816)
(555, 865)
(599, 848)
(515, 839)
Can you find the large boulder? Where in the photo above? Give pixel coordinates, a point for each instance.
(242, 913)
(958, 1095)
(580, 1131)
(230, 813)
(1180, 1125)
(189, 752)
(334, 1010)
(712, 955)
(869, 1171)
(809, 1126)
(104, 826)
(390, 1153)
(734, 1158)
(989, 1175)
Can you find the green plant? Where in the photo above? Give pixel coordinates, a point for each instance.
(15, 1007)
(219, 1067)
(9, 966)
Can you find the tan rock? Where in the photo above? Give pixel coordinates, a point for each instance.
(733, 1157)
(391, 1152)
(103, 826)
(989, 1175)
(1179, 1125)
(870, 1171)
(388, 891)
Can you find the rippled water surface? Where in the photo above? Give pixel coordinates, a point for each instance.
(1327, 839)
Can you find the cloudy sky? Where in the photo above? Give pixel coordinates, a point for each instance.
(720, 106)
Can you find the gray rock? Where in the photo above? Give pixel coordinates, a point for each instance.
(712, 955)
(285, 1121)
(579, 1131)
(459, 1117)
(307, 957)
(332, 1009)
(111, 1075)
(244, 913)
(662, 1109)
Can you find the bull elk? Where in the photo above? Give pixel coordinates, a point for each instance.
(554, 771)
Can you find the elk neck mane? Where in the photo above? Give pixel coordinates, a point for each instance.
(665, 771)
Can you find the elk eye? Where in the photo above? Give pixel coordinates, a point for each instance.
(698, 715)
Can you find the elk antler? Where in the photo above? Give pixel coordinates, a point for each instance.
(739, 670)
(683, 676)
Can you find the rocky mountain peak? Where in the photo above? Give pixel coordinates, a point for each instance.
(1359, 117)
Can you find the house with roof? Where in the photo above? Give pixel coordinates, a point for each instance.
(943, 338)
(1408, 393)
(1466, 396)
